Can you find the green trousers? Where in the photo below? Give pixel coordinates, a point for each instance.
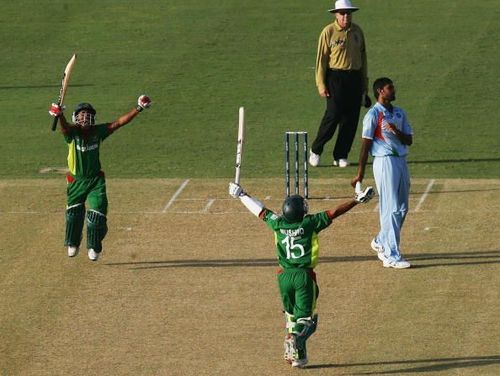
(92, 190)
(299, 291)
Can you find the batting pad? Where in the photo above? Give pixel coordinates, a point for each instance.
(75, 216)
(96, 230)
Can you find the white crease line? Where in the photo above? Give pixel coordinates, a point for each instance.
(424, 196)
(209, 204)
(375, 209)
(177, 193)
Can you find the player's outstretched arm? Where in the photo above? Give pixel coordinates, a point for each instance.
(360, 196)
(252, 204)
(341, 209)
(143, 102)
(65, 127)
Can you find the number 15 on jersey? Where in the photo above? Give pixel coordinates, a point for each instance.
(293, 250)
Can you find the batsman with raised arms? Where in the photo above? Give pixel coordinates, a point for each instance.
(297, 248)
(85, 179)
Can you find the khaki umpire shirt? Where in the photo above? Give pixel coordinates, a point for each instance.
(341, 49)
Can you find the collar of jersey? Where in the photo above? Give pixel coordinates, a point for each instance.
(385, 110)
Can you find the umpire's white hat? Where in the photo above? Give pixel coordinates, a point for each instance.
(343, 5)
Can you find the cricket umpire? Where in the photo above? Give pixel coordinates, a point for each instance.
(341, 78)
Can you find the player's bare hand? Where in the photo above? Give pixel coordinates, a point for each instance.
(325, 93)
(235, 190)
(56, 110)
(389, 127)
(143, 102)
(356, 180)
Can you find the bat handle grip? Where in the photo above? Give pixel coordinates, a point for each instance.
(237, 177)
(54, 123)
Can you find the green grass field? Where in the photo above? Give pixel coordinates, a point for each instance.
(201, 60)
(186, 285)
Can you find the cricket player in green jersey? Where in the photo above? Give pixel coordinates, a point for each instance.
(297, 248)
(85, 180)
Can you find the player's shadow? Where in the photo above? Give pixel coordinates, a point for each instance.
(225, 263)
(40, 86)
(415, 366)
(419, 261)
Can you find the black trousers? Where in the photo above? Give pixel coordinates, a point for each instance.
(342, 109)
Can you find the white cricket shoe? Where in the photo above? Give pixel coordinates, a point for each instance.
(376, 247)
(399, 264)
(342, 163)
(313, 158)
(299, 363)
(73, 251)
(93, 255)
(290, 346)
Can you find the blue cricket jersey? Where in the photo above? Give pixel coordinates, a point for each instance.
(386, 143)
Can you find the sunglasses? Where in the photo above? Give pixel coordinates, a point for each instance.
(344, 12)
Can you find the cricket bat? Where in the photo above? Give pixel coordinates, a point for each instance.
(239, 146)
(64, 86)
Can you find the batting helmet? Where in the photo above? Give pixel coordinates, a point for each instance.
(87, 120)
(294, 208)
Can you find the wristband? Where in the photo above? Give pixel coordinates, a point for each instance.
(139, 108)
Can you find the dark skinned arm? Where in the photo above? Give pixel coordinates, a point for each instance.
(65, 127)
(123, 120)
(363, 158)
(341, 209)
(406, 139)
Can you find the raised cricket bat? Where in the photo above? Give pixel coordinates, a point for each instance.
(239, 147)
(64, 86)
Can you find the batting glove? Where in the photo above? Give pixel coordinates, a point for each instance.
(236, 190)
(143, 102)
(364, 196)
(56, 110)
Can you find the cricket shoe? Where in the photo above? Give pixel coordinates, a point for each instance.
(396, 264)
(313, 158)
(301, 359)
(93, 255)
(299, 363)
(73, 251)
(379, 249)
(290, 345)
(340, 163)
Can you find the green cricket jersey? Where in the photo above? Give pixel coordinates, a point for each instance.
(83, 153)
(297, 244)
